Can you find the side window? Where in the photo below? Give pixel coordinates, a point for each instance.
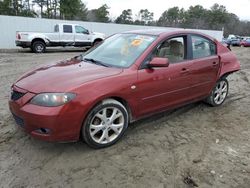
(80, 29)
(67, 28)
(56, 29)
(173, 49)
(202, 47)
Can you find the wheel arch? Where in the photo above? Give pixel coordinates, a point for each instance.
(97, 40)
(225, 75)
(100, 100)
(126, 105)
(120, 99)
(38, 39)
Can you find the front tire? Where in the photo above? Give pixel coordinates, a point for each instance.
(105, 124)
(96, 43)
(219, 93)
(38, 47)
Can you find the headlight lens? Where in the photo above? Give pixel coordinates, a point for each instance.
(52, 99)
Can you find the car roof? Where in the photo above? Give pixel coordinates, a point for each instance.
(155, 32)
(165, 32)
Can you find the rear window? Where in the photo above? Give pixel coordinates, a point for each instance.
(202, 47)
(56, 29)
(67, 28)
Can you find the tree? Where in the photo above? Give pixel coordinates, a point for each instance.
(16, 8)
(233, 25)
(91, 16)
(102, 14)
(5, 7)
(196, 17)
(125, 17)
(54, 7)
(218, 16)
(73, 9)
(172, 17)
(144, 17)
(41, 4)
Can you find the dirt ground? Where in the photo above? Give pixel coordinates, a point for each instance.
(195, 145)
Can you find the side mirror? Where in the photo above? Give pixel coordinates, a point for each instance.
(85, 32)
(158, 62)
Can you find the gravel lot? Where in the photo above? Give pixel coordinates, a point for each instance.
(195, 145)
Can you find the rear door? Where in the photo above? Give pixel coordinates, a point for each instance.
(67, 36)
(205, 65)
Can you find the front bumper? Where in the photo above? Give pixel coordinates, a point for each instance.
(58, 124)
(23, 44)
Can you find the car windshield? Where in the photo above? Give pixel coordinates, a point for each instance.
(120, 50)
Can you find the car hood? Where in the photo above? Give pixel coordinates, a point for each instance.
(63, 76)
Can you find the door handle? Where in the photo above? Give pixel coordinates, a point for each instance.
(215, 64)
(184, 71)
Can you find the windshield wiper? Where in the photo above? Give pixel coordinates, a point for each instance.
(95, 62)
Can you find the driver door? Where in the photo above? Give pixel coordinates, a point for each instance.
(165, 87)
(82, 36)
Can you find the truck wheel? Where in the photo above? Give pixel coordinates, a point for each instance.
(38, 47)
(219, 93)
(105, 124)
(96, 42)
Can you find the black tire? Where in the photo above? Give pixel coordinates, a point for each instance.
(38, 47)
(96, 43)
(217, 98)
(91, 140)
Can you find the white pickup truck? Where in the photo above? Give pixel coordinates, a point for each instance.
(63, 35)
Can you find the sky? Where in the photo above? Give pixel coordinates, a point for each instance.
(241, 7)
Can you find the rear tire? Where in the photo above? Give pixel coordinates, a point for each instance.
(38, 47)
(219, 93)
(105, 124)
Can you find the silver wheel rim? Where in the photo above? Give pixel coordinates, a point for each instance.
(106, 125)
(39, 48)
(220, 92)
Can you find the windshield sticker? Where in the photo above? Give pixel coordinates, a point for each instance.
(136, 42)
(145, 38)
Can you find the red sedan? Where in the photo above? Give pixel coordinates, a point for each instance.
(245, 43)
(129, 76)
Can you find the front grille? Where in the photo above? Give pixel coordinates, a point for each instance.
(19, 121)
(15, 95)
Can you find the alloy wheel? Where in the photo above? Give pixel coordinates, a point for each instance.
(220, 92)
(39, 48)
(106, 125)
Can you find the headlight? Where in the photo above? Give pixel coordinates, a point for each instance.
(52, 99)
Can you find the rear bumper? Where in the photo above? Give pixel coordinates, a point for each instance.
(23, 44)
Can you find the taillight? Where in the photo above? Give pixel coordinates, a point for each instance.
(18, 36)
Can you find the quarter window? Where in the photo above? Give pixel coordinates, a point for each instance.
(56, 29)
(202, 47)
(67, 28)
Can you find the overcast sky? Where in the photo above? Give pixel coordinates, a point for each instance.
(241, 7)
